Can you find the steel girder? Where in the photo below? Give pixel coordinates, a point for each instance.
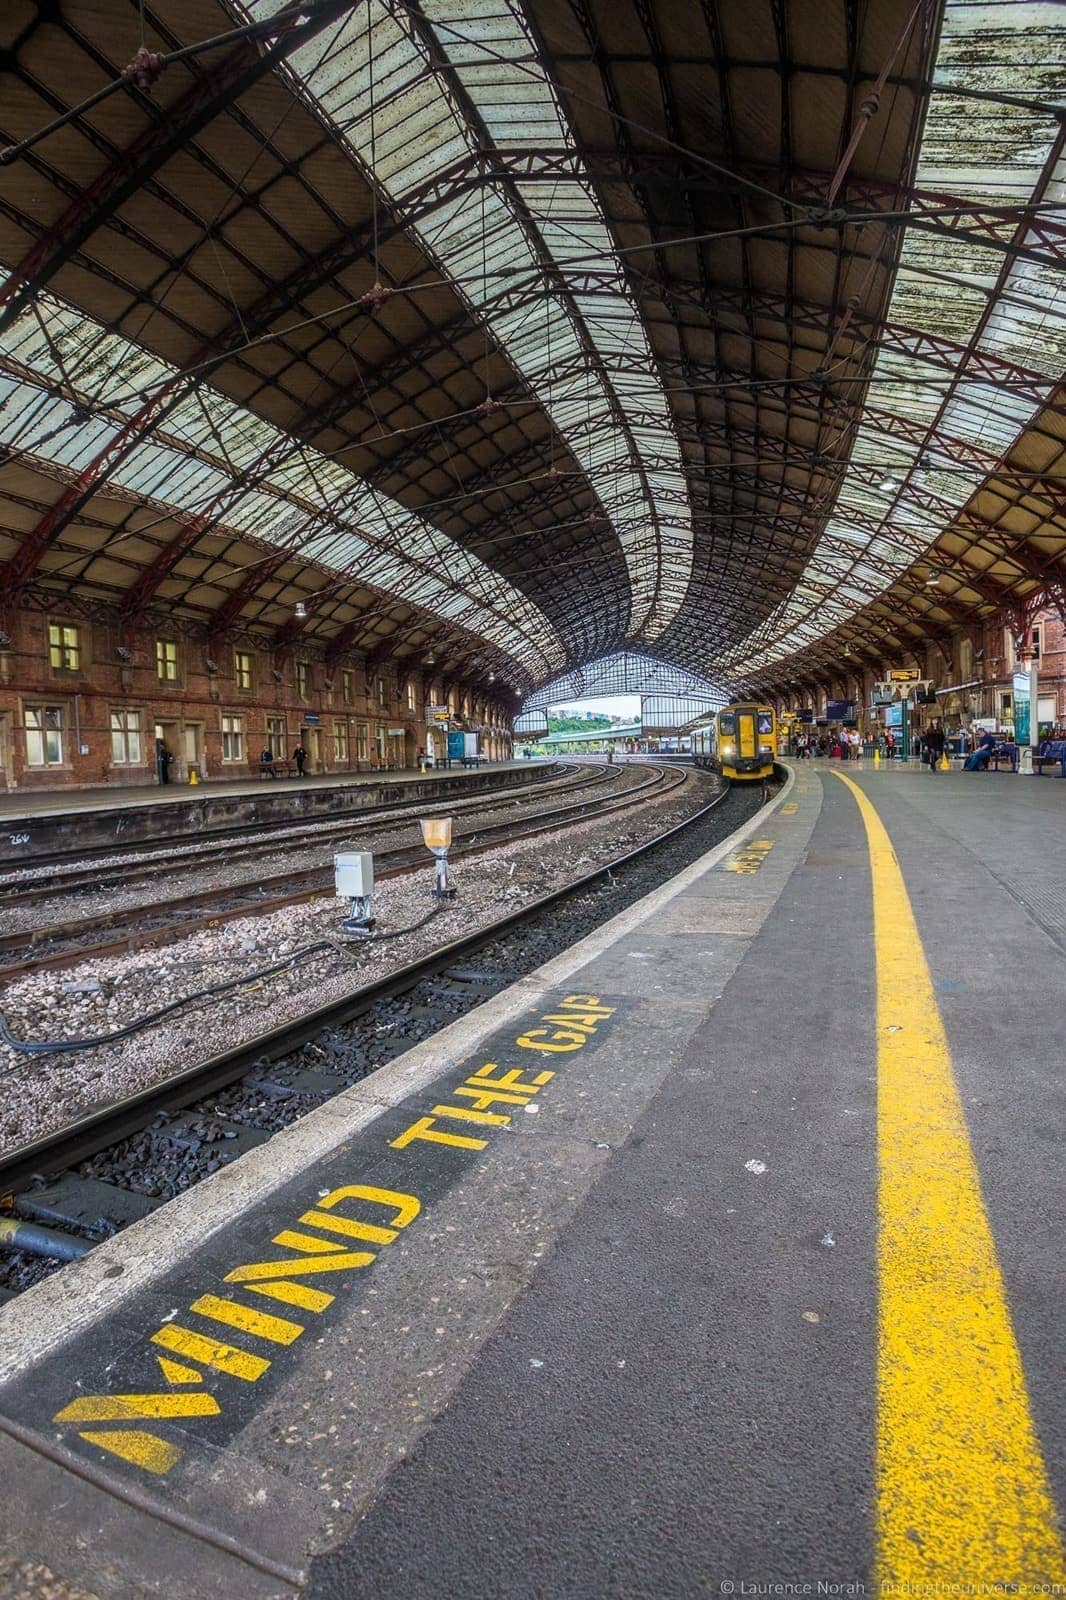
(296, 23)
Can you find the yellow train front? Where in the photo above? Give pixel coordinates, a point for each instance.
(739, 741)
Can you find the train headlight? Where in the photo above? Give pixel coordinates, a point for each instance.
(764, 747)
(727, 749)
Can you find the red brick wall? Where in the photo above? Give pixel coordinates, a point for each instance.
(192, 708)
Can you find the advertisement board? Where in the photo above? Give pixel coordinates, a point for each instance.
(470, 746)
(456, 746)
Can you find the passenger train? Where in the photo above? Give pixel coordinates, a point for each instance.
(740, 742)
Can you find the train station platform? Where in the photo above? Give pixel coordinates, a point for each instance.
(55, 820)
(721, 1256)
(18, 803)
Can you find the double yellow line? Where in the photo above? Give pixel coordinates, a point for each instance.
(962, 1491)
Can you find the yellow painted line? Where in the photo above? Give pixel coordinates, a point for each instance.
(212, 1352)
(278, 1330)
(962, 1491)
(136, 1446)
(124, 1407)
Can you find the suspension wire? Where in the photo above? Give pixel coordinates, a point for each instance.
(299, 10)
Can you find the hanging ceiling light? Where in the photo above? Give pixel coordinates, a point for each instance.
(889, 483)
(300, 611)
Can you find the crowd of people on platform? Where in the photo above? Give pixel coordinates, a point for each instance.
(980, 746)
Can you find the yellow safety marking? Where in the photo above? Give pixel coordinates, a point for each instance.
(406, 1206)
(491, 1119)
(288, 1239)
(512, 1079)
(423, 1129)
(295, 1294)
(484, 1098)
(279, 1330)
(139, 1448)
(301, 1266)
(790, 809)
(125, 1407)
(962, 1491)
(750, 857)
(561, 1041)
(212, 1352)
(367, 1231)
(174, 1372)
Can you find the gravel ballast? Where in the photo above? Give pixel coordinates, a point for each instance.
(40, 1094)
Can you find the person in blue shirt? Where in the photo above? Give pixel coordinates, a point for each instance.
(978, 762)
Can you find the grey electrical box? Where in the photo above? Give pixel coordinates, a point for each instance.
(354, 874)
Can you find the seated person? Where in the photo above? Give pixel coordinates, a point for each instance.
(266, 758)
(978, 762)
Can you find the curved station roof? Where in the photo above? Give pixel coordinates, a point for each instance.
(730, 334)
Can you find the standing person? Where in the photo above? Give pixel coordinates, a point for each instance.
(890, 745)
(299, 755)
(933, 745)
(163, 758)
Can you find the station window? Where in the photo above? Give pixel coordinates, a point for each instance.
(346, 686)
(276, 737)
(412, 695)
(362, 741)
(303, 679)
(243, 669)
(382, 742)
(166, 660)
(340, 744)
(64, 647)
(125, 738)
(381, 691)
(232, 738)
(44, 736)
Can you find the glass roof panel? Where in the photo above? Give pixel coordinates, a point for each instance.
(191, 462)
(1010, 46)
(419, 132)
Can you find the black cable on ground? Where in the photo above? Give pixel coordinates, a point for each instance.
(44, 1047)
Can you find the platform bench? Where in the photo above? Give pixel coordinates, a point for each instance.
(278, 768)
(1054, 750)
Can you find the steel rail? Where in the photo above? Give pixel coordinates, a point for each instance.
(88, 1136)
(308, 884)
(290, 833)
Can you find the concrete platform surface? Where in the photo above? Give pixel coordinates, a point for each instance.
(754, 1279)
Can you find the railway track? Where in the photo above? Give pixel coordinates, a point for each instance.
(62, 1193)
(69, 942)
(123, 873)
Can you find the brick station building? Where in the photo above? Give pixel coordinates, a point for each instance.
(83, 702)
